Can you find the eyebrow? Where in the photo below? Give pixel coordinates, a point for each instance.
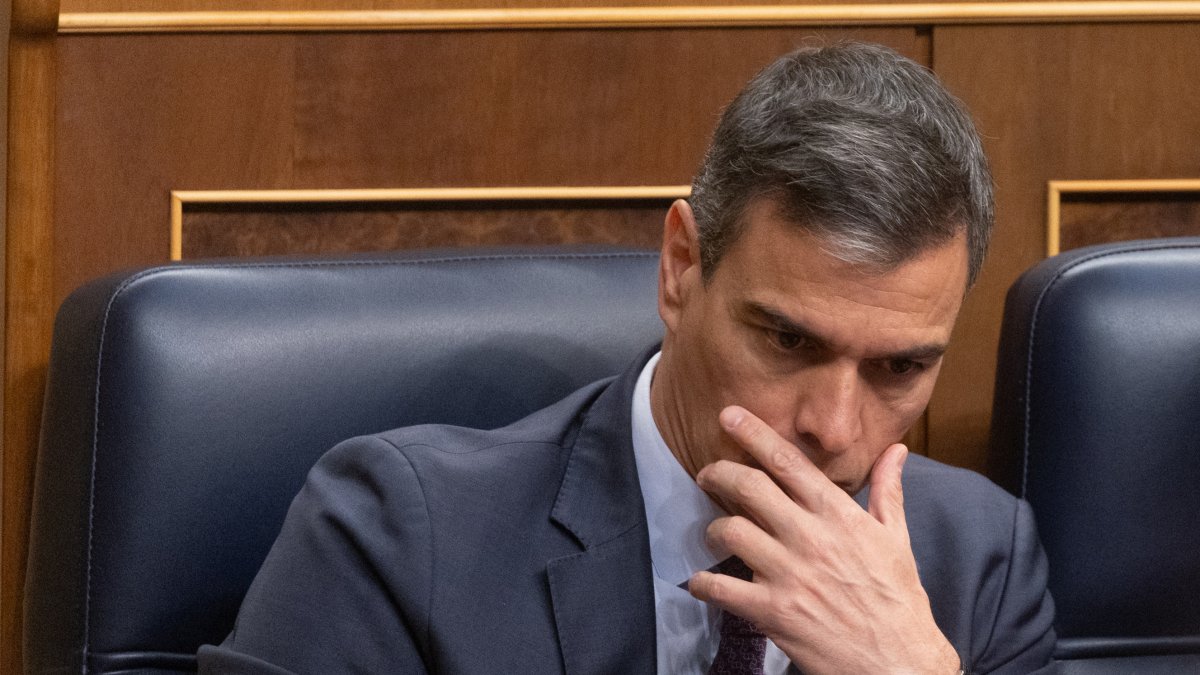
(927, 352)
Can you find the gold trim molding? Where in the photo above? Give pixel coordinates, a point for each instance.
(1057, 188)
(629, 17)
(180, 198)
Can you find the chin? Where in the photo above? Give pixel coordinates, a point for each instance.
(849, 486)
(852, 489)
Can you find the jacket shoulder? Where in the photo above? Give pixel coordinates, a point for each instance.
(982, 565)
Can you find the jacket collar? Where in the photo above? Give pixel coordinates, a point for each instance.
(603, 596)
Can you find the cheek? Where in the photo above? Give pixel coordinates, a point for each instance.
(894, 415)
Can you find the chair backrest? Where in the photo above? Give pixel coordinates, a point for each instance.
(1098, 399)
(187, 402)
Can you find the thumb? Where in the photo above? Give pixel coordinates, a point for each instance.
(886, 501)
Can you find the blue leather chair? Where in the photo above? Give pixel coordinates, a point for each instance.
(187, 402)
(1098, 410)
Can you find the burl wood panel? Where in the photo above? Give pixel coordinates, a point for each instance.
(1053, 102)
(141, 115)
(249, 230)
(1086, 219)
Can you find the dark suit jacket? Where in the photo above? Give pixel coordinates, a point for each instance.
(525, 549)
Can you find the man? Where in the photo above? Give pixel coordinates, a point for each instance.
(808, 290)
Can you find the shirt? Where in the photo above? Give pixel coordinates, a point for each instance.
(677, 513)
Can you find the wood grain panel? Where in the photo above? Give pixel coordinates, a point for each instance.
(590, 107)
(29, 300)
(216, 230)
(1102, 218)
(5, 24)
(142, 115)
(1067, 102)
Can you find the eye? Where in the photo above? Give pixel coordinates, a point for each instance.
(903, 366)
(785, 340)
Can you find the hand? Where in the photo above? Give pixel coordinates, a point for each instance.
(835, 587)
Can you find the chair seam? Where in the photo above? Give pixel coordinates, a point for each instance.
(398, 263)
(87, 595)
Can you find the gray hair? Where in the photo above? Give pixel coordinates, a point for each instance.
(855, 144)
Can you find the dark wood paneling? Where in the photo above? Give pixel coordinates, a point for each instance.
(250, 229)
(145, 114)
(1053, 102)
(1087, 219)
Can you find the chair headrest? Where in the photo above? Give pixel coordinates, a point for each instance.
(186, 403)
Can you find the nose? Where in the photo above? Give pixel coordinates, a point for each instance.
(829, 408)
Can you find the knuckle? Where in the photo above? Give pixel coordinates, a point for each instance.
(785, 460)
(751, 484)
(736, 531)
(717, 589)
(750, 428)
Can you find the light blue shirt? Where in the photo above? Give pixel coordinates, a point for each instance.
(677, 512)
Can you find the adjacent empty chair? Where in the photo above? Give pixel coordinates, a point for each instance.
(1098, 405)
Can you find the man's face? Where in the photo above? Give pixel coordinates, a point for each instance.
(839, 360)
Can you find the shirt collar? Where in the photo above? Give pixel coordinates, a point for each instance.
(677, 510)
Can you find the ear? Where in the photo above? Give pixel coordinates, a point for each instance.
(679, 264)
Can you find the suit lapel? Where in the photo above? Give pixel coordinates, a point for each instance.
(603, 597)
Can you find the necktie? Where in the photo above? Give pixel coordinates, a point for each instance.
(742, 646)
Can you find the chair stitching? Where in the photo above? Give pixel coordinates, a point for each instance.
(87, 595)
(402, 263)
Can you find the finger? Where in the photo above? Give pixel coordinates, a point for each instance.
(886, 502)
(736, 535)
(751, 492)
(786, 463)
(743, 598)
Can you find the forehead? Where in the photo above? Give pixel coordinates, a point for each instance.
(778, 265)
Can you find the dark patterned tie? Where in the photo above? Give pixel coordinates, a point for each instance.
(742, 646)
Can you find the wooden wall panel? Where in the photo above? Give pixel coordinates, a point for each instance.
(28, 300)
(138, 116)
(141, 115)
(261, 229)
(1054, 102)
(1102, 218)
(5, 25)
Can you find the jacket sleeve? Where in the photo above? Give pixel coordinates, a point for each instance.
(1022, 635)
(346, 586)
